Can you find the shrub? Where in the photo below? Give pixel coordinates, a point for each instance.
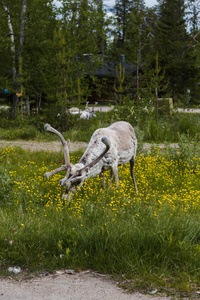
(25, 133)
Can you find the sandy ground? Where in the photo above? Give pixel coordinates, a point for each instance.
(60, 286)
(189, 110)
(56, 146)
(46, 146)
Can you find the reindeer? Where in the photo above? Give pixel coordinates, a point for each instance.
(108, 148)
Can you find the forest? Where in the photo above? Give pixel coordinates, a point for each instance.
(84, 51)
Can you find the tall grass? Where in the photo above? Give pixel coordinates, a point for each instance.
(151, 127)
(152, 236)
(170, 128)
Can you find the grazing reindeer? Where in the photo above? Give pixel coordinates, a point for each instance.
(108, 148)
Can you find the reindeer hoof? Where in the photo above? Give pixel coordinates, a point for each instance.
(66, 196)
(63, 182)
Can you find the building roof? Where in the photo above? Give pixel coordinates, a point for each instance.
(109, 69)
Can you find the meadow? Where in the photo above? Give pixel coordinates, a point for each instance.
(145, 239)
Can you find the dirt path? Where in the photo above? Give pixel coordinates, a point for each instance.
(46, 146)
(56, 146)
(62, 286)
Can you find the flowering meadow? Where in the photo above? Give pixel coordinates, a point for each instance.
(152, 235)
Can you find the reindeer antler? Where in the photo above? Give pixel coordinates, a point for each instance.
(65, 151)
(76, 176)
(64, 143)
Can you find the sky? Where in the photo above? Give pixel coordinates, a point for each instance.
(149, 3)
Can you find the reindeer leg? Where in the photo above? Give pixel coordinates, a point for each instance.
(111, 175)
(101, 175)
(132, 163)
(64, 180)
(114, 171)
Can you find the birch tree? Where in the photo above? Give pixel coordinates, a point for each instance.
(15, 53)
(27, 27)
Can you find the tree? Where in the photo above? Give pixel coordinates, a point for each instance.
(124, 10)
(176, 55)
(133, 36)
(15, 48)
(22, 28)
(79, 45)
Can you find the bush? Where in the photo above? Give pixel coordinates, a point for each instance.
(25, 133)
(150, 126)
(190, 124)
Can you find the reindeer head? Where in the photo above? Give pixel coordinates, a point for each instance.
(76, 174)
(74, 179)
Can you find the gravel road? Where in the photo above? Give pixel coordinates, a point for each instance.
(62, 286)
(46, 146)
(56, 146)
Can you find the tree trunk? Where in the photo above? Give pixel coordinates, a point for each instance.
(16, 56)
(15, 105)
(12, 38)
(39, 101)
(22, 27)
(27, 105)
(137, 75)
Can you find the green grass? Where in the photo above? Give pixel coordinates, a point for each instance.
(32, 128)
(152, 238)
(149, 127)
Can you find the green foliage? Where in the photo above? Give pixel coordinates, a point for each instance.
(176, 53)
(120, 88)
(150, 126)
(55, 57)
(169, 129)
(6, 186)
(157, 85)
(156, 127)
(24, 133)
(76, 51)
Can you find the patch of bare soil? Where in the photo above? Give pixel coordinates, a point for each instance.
(46, 146)
(62, 285)
(56, 146)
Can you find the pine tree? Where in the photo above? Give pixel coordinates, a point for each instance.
(128, 20)
(176, 55)
(132, 37)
